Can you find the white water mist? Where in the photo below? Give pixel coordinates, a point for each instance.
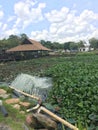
(34, 85)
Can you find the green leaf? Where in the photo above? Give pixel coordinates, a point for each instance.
(80, 104)
(49, 106)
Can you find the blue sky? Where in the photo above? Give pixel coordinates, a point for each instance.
(50, 20)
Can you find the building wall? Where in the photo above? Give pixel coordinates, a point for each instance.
(84, 49)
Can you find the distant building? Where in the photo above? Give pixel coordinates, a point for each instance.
(86, 48)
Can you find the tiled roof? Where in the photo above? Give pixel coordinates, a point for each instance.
(29, 47)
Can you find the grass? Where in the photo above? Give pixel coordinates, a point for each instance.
(15, 119)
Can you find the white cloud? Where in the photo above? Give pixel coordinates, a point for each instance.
(11, 18)
(95, 33)
(41, 5)
(1, 14)
(4, 27)
(88, 15)
(57, 16)
(27, 14)
(65, 25)
(40, 35)
(0, 24)
(13, 31)
(7, 32)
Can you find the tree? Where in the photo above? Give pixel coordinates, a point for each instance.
(43, 42)
(48, 44)
(67, 46)
(73, 46)
(23, 36)
(80, 43)
(93, 43)
(11, 41)
(70, 46)
(52, 45)
(57, 45)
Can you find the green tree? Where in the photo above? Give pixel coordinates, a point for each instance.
(70, 46)
(80, 43)
(67, 46)
(73, 46)
(93, 43)
(43, 42)
(46, 43)
(52, 45)
(13, 40)
(23, 36)
(57, 45)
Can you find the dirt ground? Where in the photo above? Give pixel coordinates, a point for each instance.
(4, 127)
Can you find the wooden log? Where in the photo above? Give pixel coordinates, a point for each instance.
(32, 122)
(45, 121)
(40, 121)
(57, 118)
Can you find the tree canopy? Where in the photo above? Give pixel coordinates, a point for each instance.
(14, 40)
(93, 43)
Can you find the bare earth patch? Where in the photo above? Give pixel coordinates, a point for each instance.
(4, 127)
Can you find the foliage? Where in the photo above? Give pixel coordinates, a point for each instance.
(67, 46)
(75, 89)
(12, 41)
(93, 43)
(52, 45)
(81, 43)
(70, 46)
(23, 36)
(73, 46)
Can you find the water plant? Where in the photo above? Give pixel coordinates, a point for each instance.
(75, 89)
